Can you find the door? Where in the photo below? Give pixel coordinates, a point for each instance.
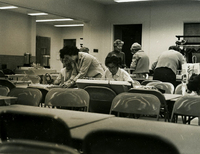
(70, 42)
(42, 48)
(129, 34)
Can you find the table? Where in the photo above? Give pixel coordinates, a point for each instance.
(16, 76)
(7, 97)
(73, 119)
(172, 97)
(185, 137)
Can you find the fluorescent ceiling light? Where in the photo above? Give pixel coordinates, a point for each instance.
(49, 20)
(123, 1)
(8, 7)
(71, 25)
(37, 14)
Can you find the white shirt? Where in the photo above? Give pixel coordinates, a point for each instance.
(121, 75)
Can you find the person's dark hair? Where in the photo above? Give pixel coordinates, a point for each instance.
(194, 83)
(113, 59)
(176, 48)
(68, 50)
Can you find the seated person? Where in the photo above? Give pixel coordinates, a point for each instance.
(114, 72)
(193, 84)
(66, 74)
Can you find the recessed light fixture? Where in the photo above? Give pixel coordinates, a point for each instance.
(8, 7)
(71, 25)
(37, 14)
(123, 1)
(49, 20)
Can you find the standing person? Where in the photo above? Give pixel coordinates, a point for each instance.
(167, 65)
(118, 44)
(140, 61)
(84, 49)
(114, 72)
(86, 64)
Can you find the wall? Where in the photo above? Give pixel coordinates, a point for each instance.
(161, 23)
(17, 36)
(57, 35)
(91, 13)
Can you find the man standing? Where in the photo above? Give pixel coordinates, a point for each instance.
(140, 61)
(167, 65)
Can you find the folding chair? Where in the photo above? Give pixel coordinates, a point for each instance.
(35, 147)
(145, 82)
(26, 96)
(167, 87)
(44, 92)
(3, 92)
(178, 89)
(121, 142)
(7, 83)
(68, 98)
(164, 112)
(188, 107)
(136, 103)
(36, 127)
(100, 98)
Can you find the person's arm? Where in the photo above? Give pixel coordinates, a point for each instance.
(134, 61)
(124, 60)
(85, 64)
(58, 79)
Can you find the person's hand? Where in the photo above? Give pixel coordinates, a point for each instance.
(68, 84)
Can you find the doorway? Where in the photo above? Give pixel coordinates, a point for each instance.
(129, 34)
(42, 49)
(69, 42)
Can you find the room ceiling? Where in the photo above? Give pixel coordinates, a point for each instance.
(104, 2)
(108, 2)
(49, 16)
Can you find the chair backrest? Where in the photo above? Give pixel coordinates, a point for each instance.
(121, 142)
(26, 96)
(4, 90)
(136, 83)
(100, 98)
(34, 147)
(187, 105)
(67, 97)
(44, 92)
(2, 74)
(136, 103)
(167, 87)
(158, 94)
(37, 127)
(178, 89)
(7, 83)
(145, 82)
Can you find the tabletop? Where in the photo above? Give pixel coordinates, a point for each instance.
(172, 97)
(7, 97)
(72, 118)
(184, 137)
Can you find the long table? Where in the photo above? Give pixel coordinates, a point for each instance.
(72, 118)
(184, 137)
